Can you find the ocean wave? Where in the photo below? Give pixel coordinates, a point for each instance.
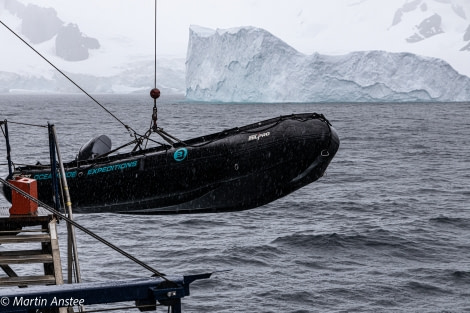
(201, 222)
(419, 287)
(310, 241)
(452, 221)
(377, 239)
(461, 276)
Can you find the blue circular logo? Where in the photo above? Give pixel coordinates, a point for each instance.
(180, 154)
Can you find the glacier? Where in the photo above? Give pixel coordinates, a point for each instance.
(249, 64)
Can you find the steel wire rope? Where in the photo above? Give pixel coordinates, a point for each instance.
(128, 128)
(27, 124)
(155, 48)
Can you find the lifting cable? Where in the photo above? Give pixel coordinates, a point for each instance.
(128, 128)
(155, 48)
(27, 124)
(84, 229)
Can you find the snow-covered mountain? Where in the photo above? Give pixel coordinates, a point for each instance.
(251, 65)
(433, 28)
(136, 77)
(39, 24)
(99, 65)
(435, 18)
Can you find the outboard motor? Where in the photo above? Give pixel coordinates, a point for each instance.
(94, 148)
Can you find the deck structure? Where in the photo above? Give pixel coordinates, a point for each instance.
(39, 234)
(23, 225)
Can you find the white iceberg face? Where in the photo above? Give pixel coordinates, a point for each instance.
(251, 65)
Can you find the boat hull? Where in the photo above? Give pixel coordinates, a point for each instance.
(233, 170)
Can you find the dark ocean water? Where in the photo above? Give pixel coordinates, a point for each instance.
(386, 230)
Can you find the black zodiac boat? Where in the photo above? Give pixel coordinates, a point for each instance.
(236, 169)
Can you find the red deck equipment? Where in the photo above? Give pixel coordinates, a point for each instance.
(20, 204)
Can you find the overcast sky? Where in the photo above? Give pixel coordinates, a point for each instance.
(324, 26)
(295, 21)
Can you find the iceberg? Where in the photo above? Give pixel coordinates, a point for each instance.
(249, 64)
